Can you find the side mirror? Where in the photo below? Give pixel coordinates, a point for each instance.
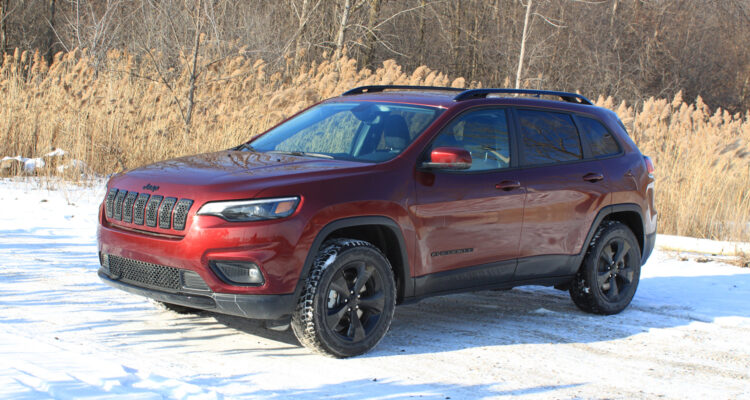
(448, 158)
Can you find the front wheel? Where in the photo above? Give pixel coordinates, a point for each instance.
(348, 301)
(609, 275)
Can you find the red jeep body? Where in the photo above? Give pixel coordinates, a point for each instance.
(442, 230)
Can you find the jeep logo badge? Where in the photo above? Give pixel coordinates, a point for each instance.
(151, 187)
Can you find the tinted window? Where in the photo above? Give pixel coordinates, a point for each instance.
(599, 138)
(548, 137)
(484, 134)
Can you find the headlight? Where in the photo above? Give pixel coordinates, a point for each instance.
(251, 210)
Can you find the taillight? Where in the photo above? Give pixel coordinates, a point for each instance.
(649, 165)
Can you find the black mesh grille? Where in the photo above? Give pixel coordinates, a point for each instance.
(139, 209)
(144, 274)
(117, 212)
(180, 213)
(109, 204)
(127, 206)
(165, 213)
(151, 210)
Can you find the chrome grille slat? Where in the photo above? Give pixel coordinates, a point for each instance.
(139, 209)
(165, 212)
(117, 212)
(152, 208)
(109, 202)
(180, 213)
(127, 207)
(154, 211)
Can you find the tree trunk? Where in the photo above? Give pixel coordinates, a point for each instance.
(423, 3)
(3, 28)
(342, 29)
(523, 44)
(371, 39)
(300, 31)
(50, 51)
(193, 71)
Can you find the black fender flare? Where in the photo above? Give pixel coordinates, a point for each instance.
(604, 213)
(404, 273)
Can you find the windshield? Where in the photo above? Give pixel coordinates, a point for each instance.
(364, 131)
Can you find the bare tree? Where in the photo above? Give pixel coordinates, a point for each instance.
(4, 4)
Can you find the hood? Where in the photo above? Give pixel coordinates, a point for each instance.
(242, 172)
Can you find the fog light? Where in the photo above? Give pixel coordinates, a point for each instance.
(237, 272)
(104, 261)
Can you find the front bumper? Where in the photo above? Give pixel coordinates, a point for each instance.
(262, 306)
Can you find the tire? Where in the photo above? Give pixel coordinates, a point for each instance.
(608, 278)
(178, 308)
(347, 303)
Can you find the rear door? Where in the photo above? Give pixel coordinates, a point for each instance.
(564, 192)
(468, 222)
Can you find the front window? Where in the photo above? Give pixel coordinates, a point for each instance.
(357, 131)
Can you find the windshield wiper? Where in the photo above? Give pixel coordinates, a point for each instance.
(245, 146)
(301, 154)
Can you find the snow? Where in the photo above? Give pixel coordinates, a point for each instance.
(64, 334)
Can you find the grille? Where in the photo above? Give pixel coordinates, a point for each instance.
(139, 208)
(127, 206)
(165, 213)
(151, 210)
(143, 273)
(117, 212)
(109, 203)
(180, 213)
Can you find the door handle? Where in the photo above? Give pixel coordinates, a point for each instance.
(593, 177)
(508, 185)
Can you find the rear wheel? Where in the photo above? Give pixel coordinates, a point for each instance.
(348, 301)
(609, 275)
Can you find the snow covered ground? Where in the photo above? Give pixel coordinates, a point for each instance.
(64, 334)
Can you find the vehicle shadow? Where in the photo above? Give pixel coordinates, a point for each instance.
(539, 315)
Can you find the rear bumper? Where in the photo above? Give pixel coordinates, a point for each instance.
(265, 306)
(648, 247)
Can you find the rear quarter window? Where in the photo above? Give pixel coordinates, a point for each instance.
(600, 139)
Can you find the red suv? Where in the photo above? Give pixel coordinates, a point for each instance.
(386, 195)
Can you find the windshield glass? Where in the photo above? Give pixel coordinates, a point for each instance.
(364, 131)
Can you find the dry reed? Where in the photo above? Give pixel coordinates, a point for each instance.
(128, 113)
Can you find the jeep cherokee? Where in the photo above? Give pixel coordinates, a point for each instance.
(386, 195)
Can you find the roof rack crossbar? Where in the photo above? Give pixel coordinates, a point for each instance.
(480, 93)
(380, 88)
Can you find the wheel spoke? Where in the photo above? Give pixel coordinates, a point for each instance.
(614, 291)
(602, 278)
(340, 286)
(622, 248)
(627, 274)
(356, 330)
(363, 275)
(607, 254)
(334, 316)
(374, 303)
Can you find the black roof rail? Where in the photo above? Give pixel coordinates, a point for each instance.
(380, 88)
(480, 93)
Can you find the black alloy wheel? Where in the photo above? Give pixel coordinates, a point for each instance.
(611, 270)
(348, 300)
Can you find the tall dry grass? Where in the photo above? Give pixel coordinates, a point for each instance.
(129, 113)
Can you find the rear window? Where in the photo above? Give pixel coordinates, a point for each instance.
(599, 138)
(548, 137)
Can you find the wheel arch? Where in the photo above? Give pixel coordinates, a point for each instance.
(630, 214)
(382, 232)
